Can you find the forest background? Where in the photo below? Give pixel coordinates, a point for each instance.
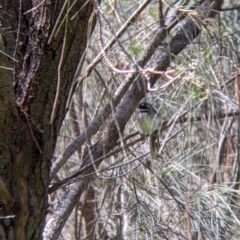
(72, 164)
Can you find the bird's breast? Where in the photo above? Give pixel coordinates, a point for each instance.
(147, 125)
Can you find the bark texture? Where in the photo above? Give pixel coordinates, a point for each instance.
(43, 69)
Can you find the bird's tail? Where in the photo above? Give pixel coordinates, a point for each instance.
(154, 145)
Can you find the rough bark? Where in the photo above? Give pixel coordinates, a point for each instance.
(27, 95)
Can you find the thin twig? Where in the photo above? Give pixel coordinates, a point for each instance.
(160, 14)
(60, 65)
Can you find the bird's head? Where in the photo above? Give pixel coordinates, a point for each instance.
(144, 107)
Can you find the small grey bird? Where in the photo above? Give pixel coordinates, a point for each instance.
(148, 123)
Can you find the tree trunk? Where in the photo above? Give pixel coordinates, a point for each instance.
(38, 64)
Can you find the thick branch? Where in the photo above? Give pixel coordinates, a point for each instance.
(124, 111)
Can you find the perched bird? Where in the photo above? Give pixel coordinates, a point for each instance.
(148, 123)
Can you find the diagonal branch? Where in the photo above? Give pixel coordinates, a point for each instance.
(124, 111)
(117, 96)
